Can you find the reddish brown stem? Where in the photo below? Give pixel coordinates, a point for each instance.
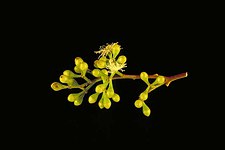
(175, 77)
(169, 79)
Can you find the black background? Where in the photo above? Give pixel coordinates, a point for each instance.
(162, 41)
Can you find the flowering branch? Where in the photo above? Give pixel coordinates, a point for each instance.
(108, 67)
(168, 79)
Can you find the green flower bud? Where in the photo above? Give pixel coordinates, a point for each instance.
(144, 77)
(116, 97)
(115, 50)
(78, 60)
(110, 90)
(101, 87)
(77, 69)
(122, 59)
(110, 93)
(146, 110)
(96, 72)
(72, 97)
(69, 73)
(68, 80)
(79, 101)
(103, 58)
(106, 102)
(105, 72)
(95, 63)
(101, 64)
(93, 98)
(83, 66)
(160, 80)
(104, 75)
(144, 95)
(100, 103)
(64, 79)
(138, 103)
(56, 86)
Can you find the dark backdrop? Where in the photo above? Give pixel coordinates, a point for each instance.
(161, 47)
(162, 42)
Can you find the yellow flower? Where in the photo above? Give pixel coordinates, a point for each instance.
(114, 66)
(107, 49)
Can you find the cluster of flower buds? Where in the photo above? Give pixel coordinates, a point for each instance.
(140, 102)
(106, 66)
(68, 80)
(105, 88)
(80, 66)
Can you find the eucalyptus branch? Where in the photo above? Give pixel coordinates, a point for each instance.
(108, 67)
(169, 79)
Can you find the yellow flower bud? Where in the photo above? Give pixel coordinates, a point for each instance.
(83, 66)
(100, 88)
(56, 86)
(100, 103)
(115, 49)
(116, 97)
(105, 72)
(106, 102)
(69, 73)
(78, 60)
(76, 98)
(110, 90)
(146, 110)
(72, 97)
(93, 98)
(160, 79)
(77, 69)
(103, 58)
(144, 77)
(144, 95)
(122, 59)
(101, 64)
(96, 72)
(68, 80)
(138, 103)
